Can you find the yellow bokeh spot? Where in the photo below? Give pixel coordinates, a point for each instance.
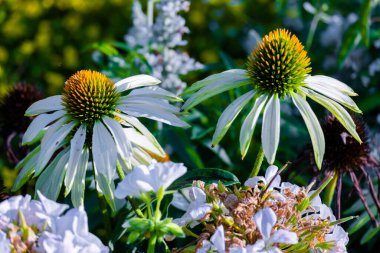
(3, 54)
(55, 81)
(8, 176)
(27, 48)
(70, 57)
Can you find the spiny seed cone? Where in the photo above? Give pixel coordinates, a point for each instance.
(344, 153)
(279, 64)
(13, 107)
(88, 96)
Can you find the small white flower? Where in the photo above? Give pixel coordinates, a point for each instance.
(270, 174)
(216, 243)
(265, 219)
(4, 243)
(146, 179)
(197, 209)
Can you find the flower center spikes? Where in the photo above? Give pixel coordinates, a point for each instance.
(89, 95)
(279, 64)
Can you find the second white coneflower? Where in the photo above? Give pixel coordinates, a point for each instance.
(277, 68)
(94, 120)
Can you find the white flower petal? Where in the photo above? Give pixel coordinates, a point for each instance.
(247, 129)
(147, 101)
(50, 181)
(270, 133)
(151, 112)
(154, 92)
(253, 181)
(332, 83)
(313, 126)
(136, 81)
(4, 243)
(164, 174)
(229, 115)
(28, 165)
(38, 124)
(228, 76)
(51, 207)
(76, 148)
(53, 103)
(104, 151)
(284, 236)
(50, 143)
(336, 109)
(140, 140)
(77, 193)
(334, 94)
(215, 87)
(217, 239)
(269, 175)
(265, 220)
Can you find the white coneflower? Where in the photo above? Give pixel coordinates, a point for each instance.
(278, 68)
(94, 120)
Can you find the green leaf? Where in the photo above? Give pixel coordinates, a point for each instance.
(359, 223)
(103, 47)
(369, 235)
(351, 39)
(364, 21)
(208, 175)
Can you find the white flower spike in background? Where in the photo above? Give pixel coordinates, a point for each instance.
(42, 226)
(94, 120)
(278, 68)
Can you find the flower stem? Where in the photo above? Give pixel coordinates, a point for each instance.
(150, 12)
(152, 243)
(313, 28)
(120, 171)
(258, 162)
(330, 190)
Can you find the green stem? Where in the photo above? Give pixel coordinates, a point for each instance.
(330, 190)
(258, 162)
(152, 243)
(120, 171)
(313, 28)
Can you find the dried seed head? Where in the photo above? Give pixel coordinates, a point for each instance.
(279, 64)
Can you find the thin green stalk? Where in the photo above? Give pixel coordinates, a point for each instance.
(120, 171)
(330, 190)
(313, 28)
(152, 243)
(258, 162)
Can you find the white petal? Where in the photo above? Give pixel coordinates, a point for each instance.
(140, 140)
(141, 128)
(104, 151)
(265, 220)
(249, 124)
(38, 124)
(136, 81)
(284, 236)
(228, 75)
(53, 103)
(337, 110)
(270, 133)
(161, 104)
(77, 193)
(253, 181)
(313, 126)
(107, 187)
(50, 144)
(50, 180)
(51, 207)
(123, 145)
(28, 165)
(334, 94)
(217, 239)
(76, 148)
(332, 83)
(155, 92)
(229, 115)
(215, 87)
(270, 173)
(164, 174)
(153, 113)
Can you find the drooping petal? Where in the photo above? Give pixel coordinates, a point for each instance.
(337, 110)
(50, 181)
(334, 94)
(215, 87)
(53, 103)
(76, 148)
(284, 236)
(217, 239)
(270, 173)
(107, 187)
(229, 115)
(77, 192)
(38, 124)
(270, 133)
(248, 127)
(50, 143)
(147, 101)
(155, 92)
(228, 76)
(140, 140)
(151, 112)
(265, 219)
(136, 81)
(28, 165)
(103, 150)
(331, 83)
(313, 126)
